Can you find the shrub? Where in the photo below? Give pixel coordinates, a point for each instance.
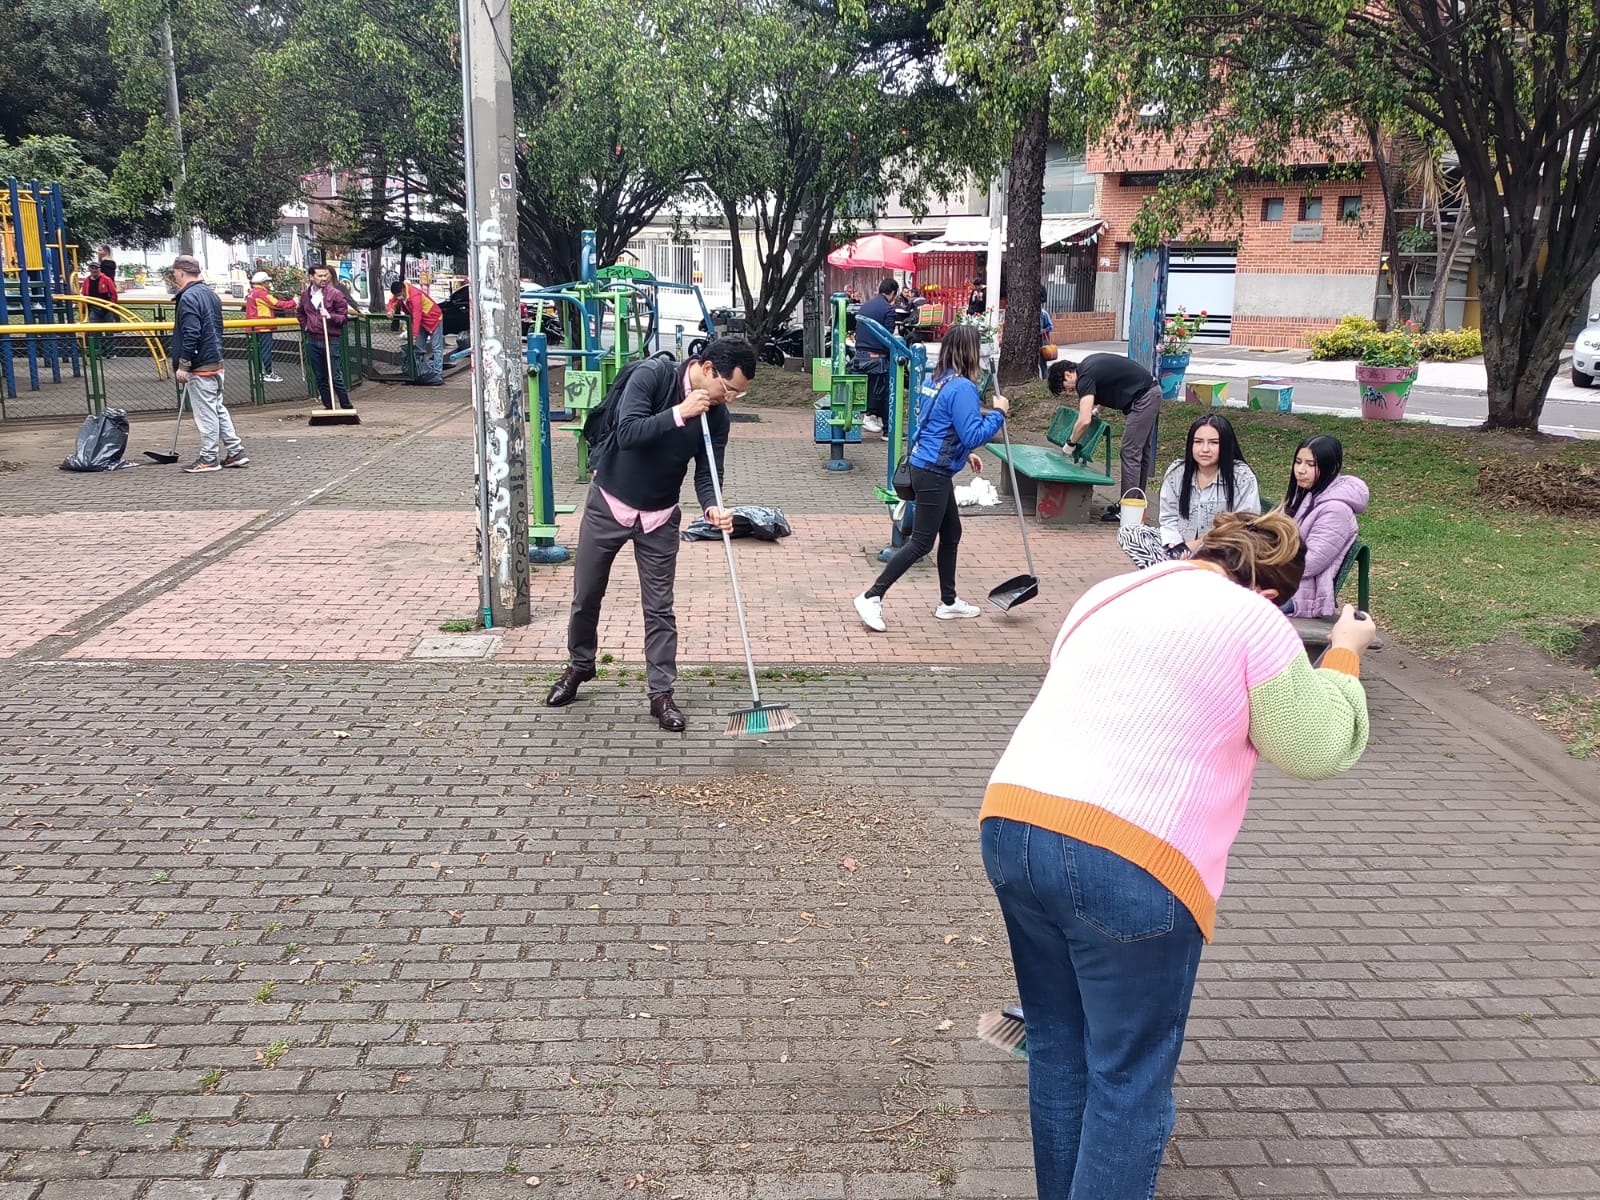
(1452, 345)
(1359, 338)
(1397, 348)
(1347, 339)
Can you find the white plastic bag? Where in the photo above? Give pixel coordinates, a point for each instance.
(980, 493)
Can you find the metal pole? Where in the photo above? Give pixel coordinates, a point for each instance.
(499, 377)
(997, 244)
(184, 230)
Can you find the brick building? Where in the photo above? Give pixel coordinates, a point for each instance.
(1296, 257)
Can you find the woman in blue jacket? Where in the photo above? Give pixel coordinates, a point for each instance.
(953, 426)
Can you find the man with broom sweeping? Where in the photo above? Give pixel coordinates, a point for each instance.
(323, 312)
(197, 366)
(639, 461)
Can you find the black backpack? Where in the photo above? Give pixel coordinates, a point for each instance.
(600, 424)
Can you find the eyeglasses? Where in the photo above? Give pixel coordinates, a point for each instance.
(728, 392)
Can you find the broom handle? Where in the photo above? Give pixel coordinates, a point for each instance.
(1005, 430)
(733, 574)
(327, 354)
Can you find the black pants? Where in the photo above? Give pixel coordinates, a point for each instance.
(876, 369)
(935, 515)
(600, 539)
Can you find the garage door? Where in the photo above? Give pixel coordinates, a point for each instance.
(1201, 279)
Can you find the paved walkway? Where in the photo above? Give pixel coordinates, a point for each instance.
(290, 915)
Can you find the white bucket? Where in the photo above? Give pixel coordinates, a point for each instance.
(1133, 510)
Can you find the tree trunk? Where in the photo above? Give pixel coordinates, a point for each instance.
(1391, 221)
(1523, 334)
(1019, 349)
(1443, 267)
(377, 295)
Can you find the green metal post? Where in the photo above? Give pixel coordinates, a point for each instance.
(258, 386)
(94, 381)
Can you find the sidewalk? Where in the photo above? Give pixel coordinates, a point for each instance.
(290, 912)
(1238, 362)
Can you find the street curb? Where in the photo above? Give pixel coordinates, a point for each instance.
(1538, 752)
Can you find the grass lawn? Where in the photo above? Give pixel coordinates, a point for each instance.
(1452, 570)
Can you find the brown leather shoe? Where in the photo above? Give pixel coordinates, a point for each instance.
(667, 714)
(565, 690)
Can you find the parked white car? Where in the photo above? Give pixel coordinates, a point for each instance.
(1586, 354)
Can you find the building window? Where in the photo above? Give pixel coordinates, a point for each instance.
(1272, 209)
(1068, 186)
(1349, 208)
(1311, 208)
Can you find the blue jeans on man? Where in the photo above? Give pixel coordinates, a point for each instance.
(1106, 958)
(428, 356)
(264, 346)
(326, 363)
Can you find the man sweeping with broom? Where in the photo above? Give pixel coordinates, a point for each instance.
(323, 311)
(665, 417)
(197, 366)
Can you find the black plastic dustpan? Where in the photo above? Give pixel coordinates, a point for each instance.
(1019, 589)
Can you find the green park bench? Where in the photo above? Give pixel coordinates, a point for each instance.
(1057, 484)
(1314, 631)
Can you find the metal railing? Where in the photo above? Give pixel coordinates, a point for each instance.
(124, 364)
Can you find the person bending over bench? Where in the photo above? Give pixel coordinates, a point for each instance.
(1114, 381)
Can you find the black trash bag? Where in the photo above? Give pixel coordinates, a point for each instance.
(749, 520)
(101, 442)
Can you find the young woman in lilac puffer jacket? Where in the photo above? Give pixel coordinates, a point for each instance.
(1324, 504)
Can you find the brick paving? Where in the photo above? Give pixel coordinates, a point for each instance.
(284, 916)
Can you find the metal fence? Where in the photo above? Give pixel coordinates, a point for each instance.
(68, 369)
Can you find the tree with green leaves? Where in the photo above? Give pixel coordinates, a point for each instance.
(193, 67)
(1255, 88)
(818, 118)
(1027, 63)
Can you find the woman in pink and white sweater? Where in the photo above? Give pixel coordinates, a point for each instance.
(1107, 823)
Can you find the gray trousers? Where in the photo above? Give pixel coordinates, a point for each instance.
(600, 538)
(211, 417)
(1139, 439)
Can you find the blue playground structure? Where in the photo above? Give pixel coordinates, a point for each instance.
(908, 368)
(38, 265)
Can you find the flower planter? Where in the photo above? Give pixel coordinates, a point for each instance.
(1171, 371)
(1384, 391)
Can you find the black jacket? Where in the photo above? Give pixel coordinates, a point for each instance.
(649, 453)
(197, 327)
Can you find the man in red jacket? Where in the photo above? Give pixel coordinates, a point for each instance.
(427, 331)
(259, 302)
(100, 286)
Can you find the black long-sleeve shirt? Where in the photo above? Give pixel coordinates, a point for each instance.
(649, 452)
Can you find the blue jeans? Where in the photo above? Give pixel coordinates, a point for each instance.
(326, 363)
(1106, 960)
(264, 344)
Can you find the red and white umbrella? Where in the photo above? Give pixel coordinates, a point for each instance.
(877, 250)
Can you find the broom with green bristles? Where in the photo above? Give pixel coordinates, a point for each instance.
(763, 718)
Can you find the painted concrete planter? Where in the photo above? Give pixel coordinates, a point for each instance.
(1171, 370)
(1384, 391)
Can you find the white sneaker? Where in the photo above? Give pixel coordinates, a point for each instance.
(871, 424)
(871, 610)
(951, 612)
(272, 379)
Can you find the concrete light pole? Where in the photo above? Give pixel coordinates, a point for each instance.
(499, 378)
